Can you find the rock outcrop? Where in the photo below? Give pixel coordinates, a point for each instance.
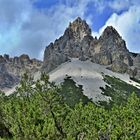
(111, 50)
(77, 42)
(11, 69)
(7, 80)
(136, 66)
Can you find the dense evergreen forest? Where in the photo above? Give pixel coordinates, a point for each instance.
(43, 111)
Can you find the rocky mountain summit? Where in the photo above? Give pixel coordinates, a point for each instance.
(77, 42)
(11, 69)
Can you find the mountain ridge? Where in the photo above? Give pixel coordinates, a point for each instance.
(109, 50)
(11, 69)
(77, 42)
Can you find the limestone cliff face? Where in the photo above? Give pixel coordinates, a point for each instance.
(112, 51)
(11, 69)
(77, 42)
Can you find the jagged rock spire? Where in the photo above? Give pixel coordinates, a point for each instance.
(78, 29)
(110, 32)
(111, 39)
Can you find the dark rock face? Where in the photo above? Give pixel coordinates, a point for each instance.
(7, 80)
(136, 67)
(2, 60)
(119, 66)
(11, 69)
(77, 42)
(113, 48)
(137, 60)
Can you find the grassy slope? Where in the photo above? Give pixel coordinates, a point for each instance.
(71, 93)
(118, 91)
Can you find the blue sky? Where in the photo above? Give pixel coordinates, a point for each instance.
(29, 26)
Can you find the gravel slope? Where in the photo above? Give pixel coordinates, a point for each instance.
(84, 73)
(87, 74)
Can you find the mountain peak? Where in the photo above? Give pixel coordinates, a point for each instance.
(78, 19)
(78, 29)
(110, 31)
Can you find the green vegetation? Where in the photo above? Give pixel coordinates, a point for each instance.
(71, 93)
(39, 111)
(118, 90)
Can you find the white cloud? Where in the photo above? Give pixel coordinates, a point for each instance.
(25, 29)
(128, 25)
(119, 5)
(12, 15)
